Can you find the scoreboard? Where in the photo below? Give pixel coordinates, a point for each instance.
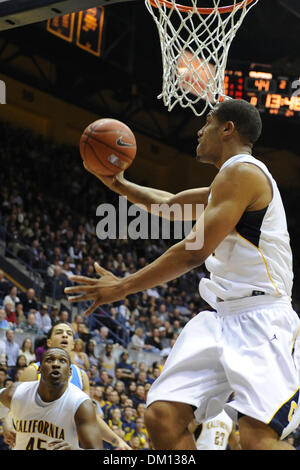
(270, 93)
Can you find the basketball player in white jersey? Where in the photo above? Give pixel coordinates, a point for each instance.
(61, 335)
(52, 413)
(245, 346)
(215, 434)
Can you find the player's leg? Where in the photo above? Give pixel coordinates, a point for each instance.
(260, 367)
(167, 423)
(191, 377)
(256, 435)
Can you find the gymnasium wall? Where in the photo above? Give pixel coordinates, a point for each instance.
(156, 164)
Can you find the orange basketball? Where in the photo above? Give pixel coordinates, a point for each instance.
(107, 147)
(194, 74)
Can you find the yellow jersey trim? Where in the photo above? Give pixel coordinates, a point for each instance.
(282, 404)
(264, 260)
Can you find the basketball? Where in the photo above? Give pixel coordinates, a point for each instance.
(107, 147)
(194, 75)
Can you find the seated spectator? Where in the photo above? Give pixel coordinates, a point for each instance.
(111, 322)
(20, 315)
(17, 376)
(127, 369)
(21, 364)
(28, 300)
(56, 285)
(98, 395)
(141, 378)
(3, 375)
(12, 297)
(93, 376)
(125, 375)
(123, 399)
(140, 410)
(11, 349)
(166, 351)
(90, 352)
(4, 284)
(115, 418)
(164, 340)
(112, 403)
(40, 347)
(4, 324)
(63, 316)
(124, 310)
(137, 341)
(119, 386)
(83, 333)
(78, 356)
(3, 361)
(138, 396)
(156, 371)
(177, 328)
(8, 382)
(131, 325)
(77, 320)
(54, 315)
(10, 314)
(102, 338)
(105, 380)
(128, 422)
(142, 433)
(135, 443)
(43, 319)
(108, 361)
(153, 343)
(27, 350)
(30, 325)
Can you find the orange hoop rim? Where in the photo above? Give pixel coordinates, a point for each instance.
(202, 11)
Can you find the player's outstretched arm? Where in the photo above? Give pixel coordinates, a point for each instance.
(108, 435)
(151, 199)
(233, 192)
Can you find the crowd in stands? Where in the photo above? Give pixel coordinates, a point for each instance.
(47, 220)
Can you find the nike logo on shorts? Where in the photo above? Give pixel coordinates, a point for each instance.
(123, 144)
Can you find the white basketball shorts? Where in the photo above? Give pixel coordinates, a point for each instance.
(246, 347)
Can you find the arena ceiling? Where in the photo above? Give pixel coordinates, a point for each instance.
(126, 79)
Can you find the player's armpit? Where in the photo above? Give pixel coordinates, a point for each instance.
(233, 191)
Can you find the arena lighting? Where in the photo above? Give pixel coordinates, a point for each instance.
(15, 13)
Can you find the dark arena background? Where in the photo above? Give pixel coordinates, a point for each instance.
(62, 66)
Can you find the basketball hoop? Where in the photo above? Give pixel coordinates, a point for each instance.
(195, 42)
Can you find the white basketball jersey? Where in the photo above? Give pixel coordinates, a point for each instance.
(215, 433)
(256, 256)
(37, 422)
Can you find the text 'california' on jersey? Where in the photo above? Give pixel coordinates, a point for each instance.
(37, 422)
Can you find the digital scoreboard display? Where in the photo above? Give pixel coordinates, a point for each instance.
(270, 93)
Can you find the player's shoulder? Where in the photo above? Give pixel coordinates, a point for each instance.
(240, 174)
(19, 388)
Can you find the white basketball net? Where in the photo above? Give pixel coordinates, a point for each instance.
(194, 49)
